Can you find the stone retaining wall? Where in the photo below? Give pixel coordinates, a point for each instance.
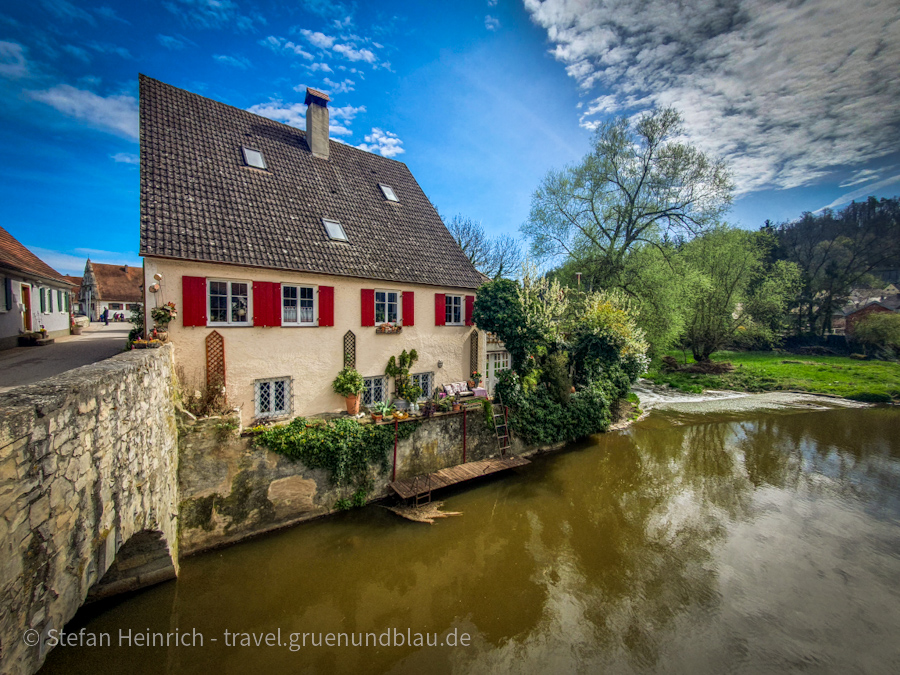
(87, 459)
(230, 489)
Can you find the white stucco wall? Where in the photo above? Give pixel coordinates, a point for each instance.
(311, 356)
(11, 322)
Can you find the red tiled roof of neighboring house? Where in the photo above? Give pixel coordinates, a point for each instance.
(15, 256)
(75, 281)
(119, 282)
(200, 202)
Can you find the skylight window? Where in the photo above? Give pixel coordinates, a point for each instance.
(334, 229)
(389, 193)
(254, 158)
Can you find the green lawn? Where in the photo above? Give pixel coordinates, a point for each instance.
(876, 381)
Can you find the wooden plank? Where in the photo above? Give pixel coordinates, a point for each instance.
(408, 488)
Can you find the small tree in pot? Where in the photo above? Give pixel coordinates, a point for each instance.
(349, 383)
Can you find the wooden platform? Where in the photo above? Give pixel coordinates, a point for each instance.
(410, 487)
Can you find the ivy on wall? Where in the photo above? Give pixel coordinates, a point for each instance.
(344, 447)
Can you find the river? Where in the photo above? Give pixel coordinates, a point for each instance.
(759, 535)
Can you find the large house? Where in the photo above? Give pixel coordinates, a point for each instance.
(33, 295)
(287, 254)
(116, 288)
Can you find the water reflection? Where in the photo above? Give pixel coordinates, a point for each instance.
(689, 542)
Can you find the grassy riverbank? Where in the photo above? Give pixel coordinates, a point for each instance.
(873, 381)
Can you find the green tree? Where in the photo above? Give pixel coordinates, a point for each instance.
(880, 330)
(734, 282)
(639, 184)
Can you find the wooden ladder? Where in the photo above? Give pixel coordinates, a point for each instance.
(501, 429)
(423, 491)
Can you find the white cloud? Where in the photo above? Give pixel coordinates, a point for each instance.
(212, 14)
(384, 143)
(324, 67)
(293, 114)
(317, 39)
(343, 87)
(492, 3)
(863, 176)
(174, 42)
(279, 44)
(77, 52)
(234, 61)
(785, 91)
(350, 53)
(347, 113)
(491, 23)
(106, 48)
(12, 60)
(117, 113)
(861, 192)
(126, 158)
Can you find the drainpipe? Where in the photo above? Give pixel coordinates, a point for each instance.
(464, 435)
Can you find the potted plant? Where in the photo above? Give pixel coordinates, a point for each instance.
(349, 383)
(162, 316)
(381, 409)
(411, 393)
(455, 403)
(476, 379)
(398, 368)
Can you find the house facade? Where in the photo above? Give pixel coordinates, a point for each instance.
(32, 294)
(287, 254)
(117, 288)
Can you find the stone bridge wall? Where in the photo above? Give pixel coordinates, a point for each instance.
(87, 459)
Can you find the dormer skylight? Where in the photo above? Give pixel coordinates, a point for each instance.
(254, 158)
(389, 193)
(335, 230)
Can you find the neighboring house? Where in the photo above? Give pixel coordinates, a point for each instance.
(117, 288)
(854, 316)
(77, 305)
(33, 295)
(289, 253)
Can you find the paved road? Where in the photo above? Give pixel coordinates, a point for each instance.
(26, 365)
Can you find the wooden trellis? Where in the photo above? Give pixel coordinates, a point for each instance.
(215, 362)
(350, 349)
(473, 351)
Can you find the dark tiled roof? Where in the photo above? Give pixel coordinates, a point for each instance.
(15, 256)
(199, 201)
(118, 282)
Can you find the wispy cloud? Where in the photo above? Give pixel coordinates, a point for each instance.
(13, 64)
(863, 176)
(491, 23)
(326, 9)
(175, 42)
(318, 39)
(351, 53)
(233, 61)
(294, 114)
(110, 14)
(384, 143)
(72, 262)
(77, 52)
(785, 91)
(342, 87)
(107, 48)
(117, 113)
(324, 67)
(281, 45)
(126, 158)
(213, 14)
(861, 192)
(67, 11)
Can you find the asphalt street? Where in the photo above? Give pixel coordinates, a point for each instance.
(27, 365)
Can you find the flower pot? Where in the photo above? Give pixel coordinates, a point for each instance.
(162, 335)
(456, 407)
(353, 405)
(76, 330)
(471, 384)
(376, 417)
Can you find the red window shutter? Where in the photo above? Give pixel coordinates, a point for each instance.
(409, 308)
(326, 305)
(440, 309)
(367, 307)
(193, 299)
(266, 303)
(470, 306)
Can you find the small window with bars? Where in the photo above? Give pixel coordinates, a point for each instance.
(422, 381)
(273, 397)
(374, 391)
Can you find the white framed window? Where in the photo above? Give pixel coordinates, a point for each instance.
(273, 397)
(387, 306)
(375, 390)
(424, 382)
(229, 303)
(388, 192)
(298, 305)
(454, 315)
(335, 230)
(49, 301)
(254, 158)
(5, 294)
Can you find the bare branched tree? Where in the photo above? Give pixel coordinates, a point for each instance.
(498, 257)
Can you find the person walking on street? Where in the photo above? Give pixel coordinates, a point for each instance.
(106, 316)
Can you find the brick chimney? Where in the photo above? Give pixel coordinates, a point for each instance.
(317, 122)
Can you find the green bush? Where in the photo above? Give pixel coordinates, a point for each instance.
(348, 382)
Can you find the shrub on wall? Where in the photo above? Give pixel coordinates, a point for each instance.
(344, 447)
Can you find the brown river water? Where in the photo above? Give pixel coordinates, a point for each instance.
(730, 539)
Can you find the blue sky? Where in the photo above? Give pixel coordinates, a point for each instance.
(479, 97)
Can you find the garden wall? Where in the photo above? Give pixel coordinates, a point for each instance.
(230, 489)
